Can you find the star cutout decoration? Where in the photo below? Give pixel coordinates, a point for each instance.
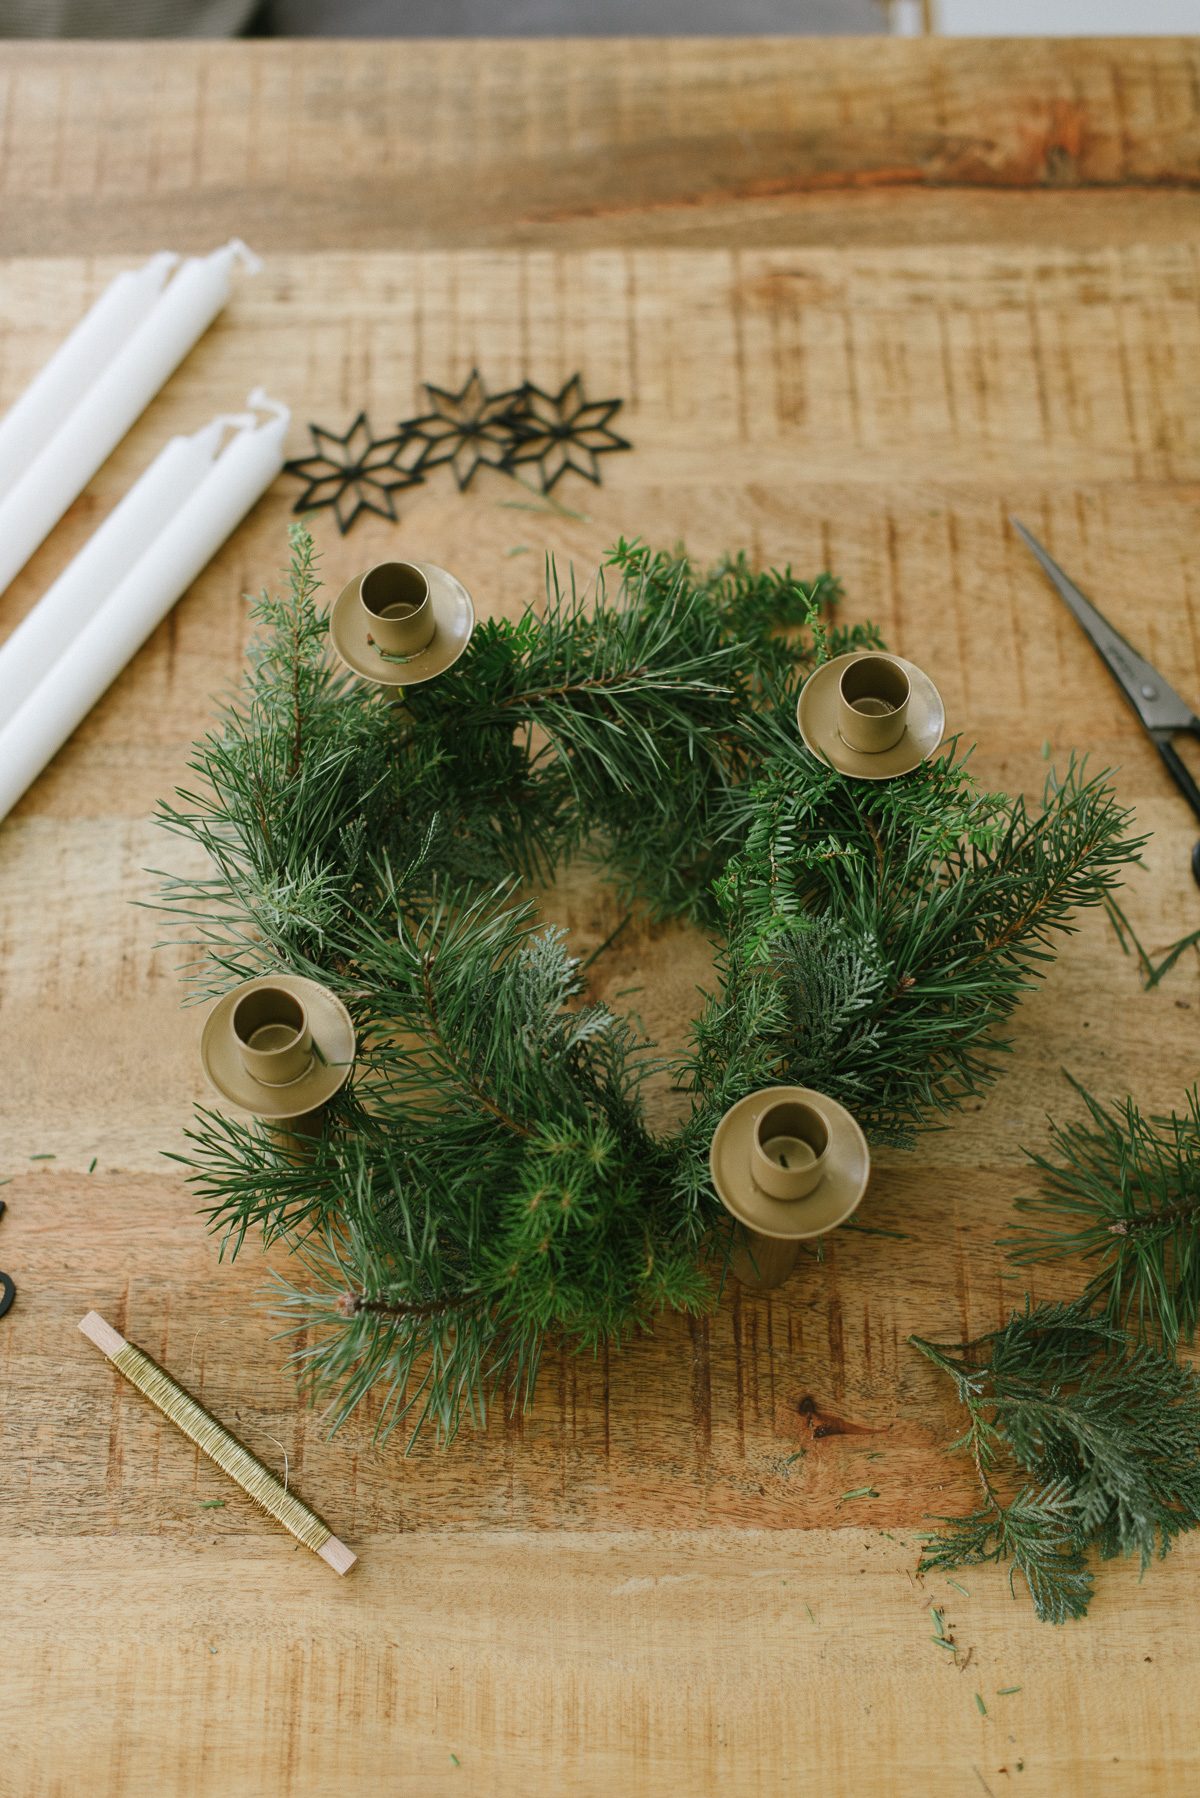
(358, 472)
(468, 428)
(564, 430)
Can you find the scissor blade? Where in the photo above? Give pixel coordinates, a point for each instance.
(1155, 701)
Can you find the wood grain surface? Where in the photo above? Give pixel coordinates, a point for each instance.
(863, 301)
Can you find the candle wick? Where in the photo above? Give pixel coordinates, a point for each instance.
(260, 398)
(245, 255)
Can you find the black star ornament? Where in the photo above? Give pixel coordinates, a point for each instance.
(468, 428)
(358, 472)
(564, 430)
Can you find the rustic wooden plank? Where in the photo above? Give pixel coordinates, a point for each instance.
(591, 1596)
(649, 1664)
(890, 363)
(692, 142)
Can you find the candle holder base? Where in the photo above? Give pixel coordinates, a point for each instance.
(760, 1263)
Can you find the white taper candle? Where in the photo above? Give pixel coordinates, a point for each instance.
(34, 417)
(89, 433)
(105, 559)
(88, 665)
(36, 414)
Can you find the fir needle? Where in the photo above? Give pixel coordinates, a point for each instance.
(257, 1481)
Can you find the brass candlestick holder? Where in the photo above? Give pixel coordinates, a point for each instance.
(400, 624)
(789, 1164)
(279, 1047)
(873, 716)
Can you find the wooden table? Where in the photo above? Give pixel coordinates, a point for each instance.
(864, 299)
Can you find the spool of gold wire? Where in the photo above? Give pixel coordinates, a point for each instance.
(188, 1415)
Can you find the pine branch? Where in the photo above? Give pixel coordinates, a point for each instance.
(1121, 1191)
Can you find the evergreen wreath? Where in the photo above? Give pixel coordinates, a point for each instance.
(489, 1181)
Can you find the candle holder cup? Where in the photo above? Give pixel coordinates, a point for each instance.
(873, 699)
(789, 1149)
(399, 612)
(274, 1040)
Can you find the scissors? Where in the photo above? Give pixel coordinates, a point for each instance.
(1163, 713)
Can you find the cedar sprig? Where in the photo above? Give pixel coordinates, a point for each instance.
(1083, 1440)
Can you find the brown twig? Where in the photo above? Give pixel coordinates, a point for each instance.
(354, 1304)
(1146, 1220)
(582, 686)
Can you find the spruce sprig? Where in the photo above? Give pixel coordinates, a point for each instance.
(1082, 1439)
(1120, 1190)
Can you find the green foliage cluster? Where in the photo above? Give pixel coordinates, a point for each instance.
(1088, 1403)
(1083, 1439)
(1121, 1192)
(489, 1181)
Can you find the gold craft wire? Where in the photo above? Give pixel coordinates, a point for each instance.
(256, 1480)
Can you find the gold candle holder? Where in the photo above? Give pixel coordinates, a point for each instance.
(871, 716)
(401, 624)
(279, 1047)
(789, 1164)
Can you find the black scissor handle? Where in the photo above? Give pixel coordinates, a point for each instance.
(1181, 774)
(1179, 771)
(8, 1291)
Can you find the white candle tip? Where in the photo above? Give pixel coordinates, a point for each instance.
(260, 398)
(249, 261)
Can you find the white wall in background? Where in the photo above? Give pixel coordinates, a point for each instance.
(1046, 18)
